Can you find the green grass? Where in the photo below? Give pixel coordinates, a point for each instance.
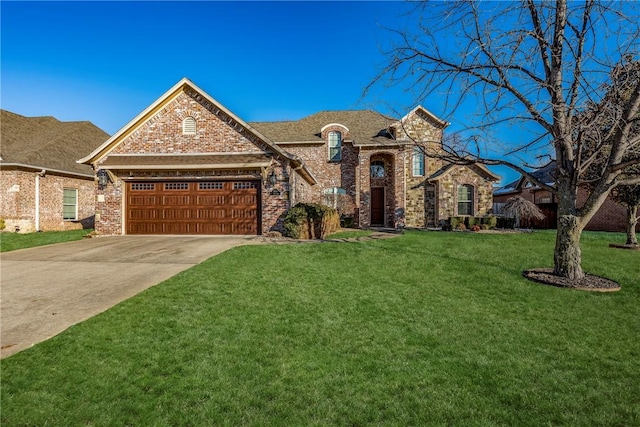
(13, 241)
(349, 234)
(423, 329)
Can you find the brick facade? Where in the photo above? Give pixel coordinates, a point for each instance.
(18, 200)
(412, 201)
(216, 132)
(610, 217)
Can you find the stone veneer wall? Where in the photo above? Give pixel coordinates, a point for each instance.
(18, 201)
(448, 192)
(215, 133)
(420, 129)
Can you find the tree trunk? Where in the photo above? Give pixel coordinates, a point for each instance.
(568, 256)
(632, 221)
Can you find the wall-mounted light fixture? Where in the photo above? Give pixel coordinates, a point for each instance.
(273, 179)
(103, 179)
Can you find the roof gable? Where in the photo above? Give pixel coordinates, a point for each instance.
(478, 168)
(184, 86)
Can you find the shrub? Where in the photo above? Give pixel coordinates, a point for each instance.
(503, 222)
(310, 221)
(460, 226)
(455, 221)
(2, 224)
(490, 220)
(472, 221)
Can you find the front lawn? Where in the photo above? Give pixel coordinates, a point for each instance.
(423, 329)
(13, 241)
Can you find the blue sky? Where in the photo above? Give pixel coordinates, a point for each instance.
(106, 61)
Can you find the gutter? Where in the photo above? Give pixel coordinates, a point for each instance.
(48, 170)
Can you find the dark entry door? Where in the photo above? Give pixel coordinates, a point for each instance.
(377, 206)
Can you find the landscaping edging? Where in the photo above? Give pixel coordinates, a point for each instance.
(630, 247)
(590, 282)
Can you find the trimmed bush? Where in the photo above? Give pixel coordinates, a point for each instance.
(490, 220)
(455, 221)
(311, 221)
(2, 224)
(472, 221)
(503, 222)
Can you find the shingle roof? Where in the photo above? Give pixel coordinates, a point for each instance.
(545, 175)
(366, 127)
(45, 142)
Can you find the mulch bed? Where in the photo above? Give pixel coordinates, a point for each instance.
(589, 283)
(631, 247)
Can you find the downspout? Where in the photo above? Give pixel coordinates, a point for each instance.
(404, 184)
(292, 186)
(37, 207)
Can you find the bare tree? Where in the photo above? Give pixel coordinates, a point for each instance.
(597, 124)
(537, 63)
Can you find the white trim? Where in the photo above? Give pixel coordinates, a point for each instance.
(338, 146)
(226, 153)
(188, 167)
(75, 217)
(334, 124)
(49, 170)
(414, 157)
(187, 123)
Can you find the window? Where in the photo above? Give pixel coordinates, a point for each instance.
(189, 126)
(176, 186)
(70, 204)
(335, 146)
(418, 161)
(244, 185)
(465, 200)
(377, 169)
(332, 196)
(143, 186)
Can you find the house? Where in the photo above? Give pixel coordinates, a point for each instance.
(610, 217)
(188, 165)
(42, 188)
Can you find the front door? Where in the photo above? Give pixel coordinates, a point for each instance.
(377, 206)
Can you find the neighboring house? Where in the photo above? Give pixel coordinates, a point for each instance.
(42, 188)
(610, 217)
(188, 165)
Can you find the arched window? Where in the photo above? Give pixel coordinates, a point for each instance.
(377, 169)
(335, 146)
(418, 161)
(465, 200)
(189, 126)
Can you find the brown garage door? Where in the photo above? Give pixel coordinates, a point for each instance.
(205, 207)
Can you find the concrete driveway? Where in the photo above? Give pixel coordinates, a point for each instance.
(45, 290)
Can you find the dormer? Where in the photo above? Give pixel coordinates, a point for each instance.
(334, 134)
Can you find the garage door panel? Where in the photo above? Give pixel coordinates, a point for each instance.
(211, 200)
(176, 214)
(143, 214)
(210, 207)
(210, 213)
